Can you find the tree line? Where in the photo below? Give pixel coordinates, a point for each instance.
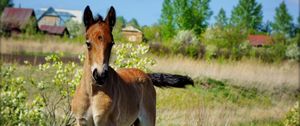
(184, 28)
(247, 15)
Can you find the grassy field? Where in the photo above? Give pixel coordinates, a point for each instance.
(215, 99)
(246, 92)
(233, 93)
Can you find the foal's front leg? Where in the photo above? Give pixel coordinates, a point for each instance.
(101, 106)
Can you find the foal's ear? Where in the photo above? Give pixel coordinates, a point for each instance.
(88, 18)
(111, 17)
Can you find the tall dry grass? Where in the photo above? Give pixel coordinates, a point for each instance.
(186, 108)
(249, 73)
(183, 107)
(8, 46)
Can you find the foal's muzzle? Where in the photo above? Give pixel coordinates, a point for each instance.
(100, 78)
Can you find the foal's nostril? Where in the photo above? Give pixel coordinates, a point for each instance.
(95, 74)
(100, 77)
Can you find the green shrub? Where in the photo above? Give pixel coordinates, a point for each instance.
(293, 116)
(228, 42)
(52, 86)
(128, 55)
(75, 28)
(14, 108)
(293, 52)
(186, 43)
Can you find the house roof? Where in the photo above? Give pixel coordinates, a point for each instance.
(16, 17)
(64, 16)
(130, 29)
(258, 40)
(74, 14)
(53, 29)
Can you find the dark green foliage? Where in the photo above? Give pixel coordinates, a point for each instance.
(200, 15)
(282, 20)
(75, 28)
(31, 27)
(5, 3)
(262, 122)
(133, 22)
(247, 15)
(152, 33)
(182, 14)
(223, 92)
(266, 28)
(167, 20)
(224, 43)
(221, 19)
(185, 15)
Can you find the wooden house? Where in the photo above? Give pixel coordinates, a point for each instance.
(132, 34)
(15, 20)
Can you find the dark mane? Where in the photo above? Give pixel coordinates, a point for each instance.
(98, 18)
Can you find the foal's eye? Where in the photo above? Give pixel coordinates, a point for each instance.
(88, 44)
(100, 37)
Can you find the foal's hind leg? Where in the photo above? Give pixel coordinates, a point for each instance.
(147, 115)
(147, 111)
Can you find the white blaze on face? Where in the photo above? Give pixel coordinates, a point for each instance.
(98, 67)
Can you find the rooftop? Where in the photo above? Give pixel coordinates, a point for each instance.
(259, 40)
(53, 29)
(16, 17)
(131, 29)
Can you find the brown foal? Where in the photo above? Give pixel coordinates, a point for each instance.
(106, 97)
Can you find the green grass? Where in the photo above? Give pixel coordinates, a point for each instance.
(209, 102)
(263, 122)
(223, 92)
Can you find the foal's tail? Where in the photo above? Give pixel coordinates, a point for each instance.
(170, 80)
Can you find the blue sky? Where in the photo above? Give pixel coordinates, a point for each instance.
(148, 12)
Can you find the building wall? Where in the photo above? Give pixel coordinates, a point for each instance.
(133, 36)
(50, 20)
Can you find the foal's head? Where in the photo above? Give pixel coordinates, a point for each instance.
(99, 41)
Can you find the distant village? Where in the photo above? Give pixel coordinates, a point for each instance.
(50, 21)
(53, 21)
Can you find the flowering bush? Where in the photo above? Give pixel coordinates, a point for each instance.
(14, 108)
(292, 52)
(54, 87)
(131, 55)
(293, 116)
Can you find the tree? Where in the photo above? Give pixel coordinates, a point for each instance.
(120, 23)
(5, 3)
(75, 28)
(186, 14)
(152, 33)
(167, 19)
(282, 20)
(221, 19)
(266, 27)
(133, 22)
(247, 14)
(200, 15)
(182, 14)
